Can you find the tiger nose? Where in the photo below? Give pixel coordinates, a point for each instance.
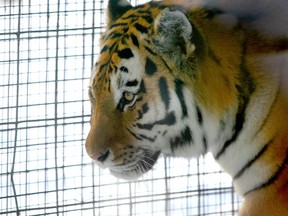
(95, 145)
(104, 156)
(101, 157)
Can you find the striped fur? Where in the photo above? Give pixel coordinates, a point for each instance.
(184, 78)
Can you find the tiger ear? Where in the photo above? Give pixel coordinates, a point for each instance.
(172, 35)
(116, 8)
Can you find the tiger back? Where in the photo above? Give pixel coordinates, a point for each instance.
(183, 78)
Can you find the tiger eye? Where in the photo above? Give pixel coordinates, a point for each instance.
(128, 96)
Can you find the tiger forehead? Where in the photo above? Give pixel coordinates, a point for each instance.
(120, 37)
(138, 19)
(124, 34)
(134, 20)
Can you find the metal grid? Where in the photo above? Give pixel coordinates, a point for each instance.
(47, 51)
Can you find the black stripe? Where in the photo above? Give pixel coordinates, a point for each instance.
(213, 56)
(150, 51)
(164, 92)
(124, 69)
(178, 88)
(124, 39)
(142, 11)
(141, 28)
(170, 119)
(132, 83)
(139, 99)
(150, 67)
(133, 134)
(103, 66)
(125, 53)
(148, 18)
(184, 138)
(211, 13)
(109, 85)
(143, 110)
(114, 35)
(132, 16)
(246, 79)
(99, 78)
(245, 88)
(134, 40)
(166, 65)
(106, 47)
(247, 165)
(121, 105)
(111, 69)
(240, 117)
(200, 122)
(222, 127)
(112, 46)
(273, 177)
(118, 24)
(200, 49)
(142, 88)
(148, 138)
(199, 115)
(204, 140)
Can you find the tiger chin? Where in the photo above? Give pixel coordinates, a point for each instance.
(183, 78)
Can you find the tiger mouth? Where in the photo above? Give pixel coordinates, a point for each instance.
(135, 168)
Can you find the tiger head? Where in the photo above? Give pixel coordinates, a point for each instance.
(137, 89)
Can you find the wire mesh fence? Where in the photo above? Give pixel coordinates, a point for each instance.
(47, 51)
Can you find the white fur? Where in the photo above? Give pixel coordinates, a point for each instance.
(255, 176)
(196, 148)
(249, 141)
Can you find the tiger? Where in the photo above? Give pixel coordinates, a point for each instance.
(185, 78)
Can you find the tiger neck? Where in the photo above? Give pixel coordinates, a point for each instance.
(246, 133)
(232, 105)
